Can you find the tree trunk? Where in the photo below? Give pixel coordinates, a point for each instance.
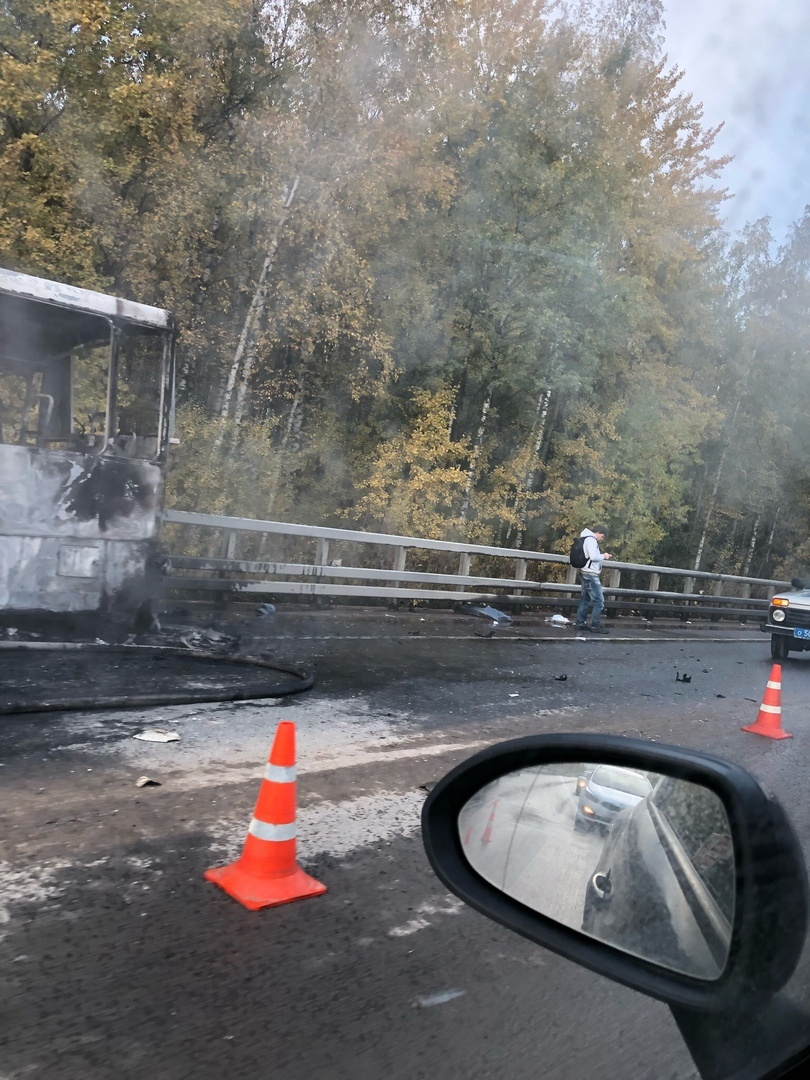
(292, 427)
(246, 346)
(521, 502)
(475, 457)
(729, 431)
(528, 481)
(766, 557)
(716, 486)
(749, 557)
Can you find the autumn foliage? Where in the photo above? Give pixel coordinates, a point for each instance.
(451, 268)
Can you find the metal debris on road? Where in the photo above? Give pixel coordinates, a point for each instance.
(209, 641)
(489, 613)
(682, 678)
(157, 735)
(560, 678)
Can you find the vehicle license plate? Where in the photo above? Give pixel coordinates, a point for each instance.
(799, 632)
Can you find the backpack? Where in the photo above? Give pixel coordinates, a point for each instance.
(576, 555)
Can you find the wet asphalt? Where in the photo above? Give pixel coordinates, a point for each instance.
(120, 962)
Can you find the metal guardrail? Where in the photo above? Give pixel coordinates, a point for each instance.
(322, 577)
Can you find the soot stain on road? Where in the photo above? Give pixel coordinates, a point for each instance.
(124, 964)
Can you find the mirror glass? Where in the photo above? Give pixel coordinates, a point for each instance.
(641, 861)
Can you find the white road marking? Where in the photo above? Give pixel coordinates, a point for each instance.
(451, 906)
(336, 828)
(439, 999)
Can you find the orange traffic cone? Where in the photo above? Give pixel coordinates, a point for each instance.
(486, 838)
(266, 873)
(769, 717)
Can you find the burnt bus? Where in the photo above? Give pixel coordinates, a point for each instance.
(86, 393)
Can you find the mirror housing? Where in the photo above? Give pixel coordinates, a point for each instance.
(771, 902)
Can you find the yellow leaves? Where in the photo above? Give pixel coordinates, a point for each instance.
(416, 481)
(243, 480)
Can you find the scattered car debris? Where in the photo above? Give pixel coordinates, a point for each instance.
(146, 781)
(682, 678)
(429, 786)
(157, 735)
(489, 613)
(719, 695)
(559, 620)
(209, 641)
(264, 610)
(560, 678)
(414, 633)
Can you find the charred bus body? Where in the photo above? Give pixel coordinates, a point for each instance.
(86, 406)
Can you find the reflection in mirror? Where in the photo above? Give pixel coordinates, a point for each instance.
(641, 861)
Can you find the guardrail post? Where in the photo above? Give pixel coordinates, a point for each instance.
(228, 552)
(688, 586)
(229, 547)
(745, 595)
(614, 578)
(400, 555)
(464, 561)
(655, 585)
(521, 570)
(718, 591)
(571, 575)
(321, 559)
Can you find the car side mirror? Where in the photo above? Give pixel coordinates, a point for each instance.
(670, 871)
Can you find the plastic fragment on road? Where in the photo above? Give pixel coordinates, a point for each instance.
(439, 999)
(146, 781)
(264, 610)
(490, 613)
(157, 735)
(558, 620)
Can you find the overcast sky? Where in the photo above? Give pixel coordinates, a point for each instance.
(748, 62)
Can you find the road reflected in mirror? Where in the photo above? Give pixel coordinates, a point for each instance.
(641, 861)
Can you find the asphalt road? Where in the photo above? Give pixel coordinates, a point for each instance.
(120, 961)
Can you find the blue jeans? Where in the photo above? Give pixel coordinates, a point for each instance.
(591, 594)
